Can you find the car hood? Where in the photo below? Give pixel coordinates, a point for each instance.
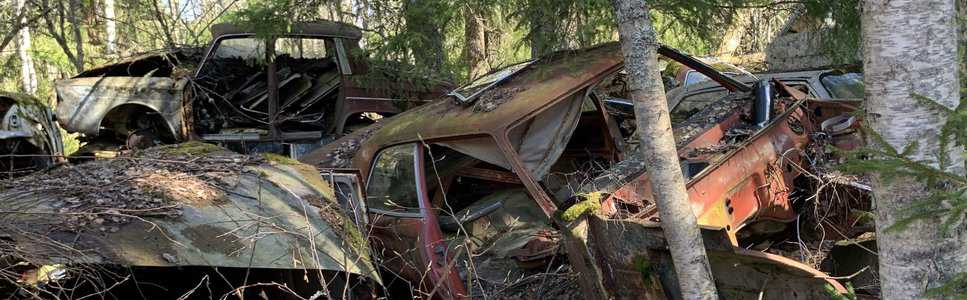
(182, 205)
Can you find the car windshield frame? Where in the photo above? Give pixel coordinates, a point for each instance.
(486, 82)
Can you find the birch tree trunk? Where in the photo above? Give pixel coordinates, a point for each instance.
(27, 72)
(910, 47)
(110, 28)
(639, 45)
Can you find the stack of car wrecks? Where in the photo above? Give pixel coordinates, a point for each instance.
(525, 183)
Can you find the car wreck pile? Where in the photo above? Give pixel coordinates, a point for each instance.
(532, 170)
(525, 183)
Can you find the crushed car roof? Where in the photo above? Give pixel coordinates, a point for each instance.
(531, 90)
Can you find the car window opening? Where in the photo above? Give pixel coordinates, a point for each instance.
(236, 74)
(485, 211)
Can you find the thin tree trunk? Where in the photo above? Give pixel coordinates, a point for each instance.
(639, 45)
(75, 7)
(159, 16)
(543, 33)
(910, 47)
(110, 28)
(19, 21)
(59, 33)
(475, 35)
(27, 72)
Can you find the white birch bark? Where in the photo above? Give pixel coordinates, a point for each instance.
(110, 28)
(910, 46)
(639, 44)
(27, 72)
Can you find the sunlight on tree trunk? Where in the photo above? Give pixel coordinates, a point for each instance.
(27, 72)
(110, 28)
(910, 47)
(639, 44)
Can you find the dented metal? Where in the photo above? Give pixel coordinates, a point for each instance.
(86, 102)
(738, 173)
(316, 89)
(29, 136)
(188, 206)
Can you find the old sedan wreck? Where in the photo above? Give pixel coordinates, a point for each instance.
(190, 221)
(527, 173)
(29, 136)
(302, 87)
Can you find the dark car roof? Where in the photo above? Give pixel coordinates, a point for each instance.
(320, 28)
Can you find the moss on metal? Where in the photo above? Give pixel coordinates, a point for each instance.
(279, 159)
(644, 267)
(591, 204)
(191, 148)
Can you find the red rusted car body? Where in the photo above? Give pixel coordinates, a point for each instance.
(515, 140)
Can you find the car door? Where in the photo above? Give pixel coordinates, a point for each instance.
(404, 231)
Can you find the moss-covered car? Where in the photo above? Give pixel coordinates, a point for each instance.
(191, 220)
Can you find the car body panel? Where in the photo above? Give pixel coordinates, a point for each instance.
(179, 217)
(24, 118)
(294, 199)
(84, 102)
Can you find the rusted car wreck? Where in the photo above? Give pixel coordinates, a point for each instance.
(301, 87)
(469, 195)
(193, 221)
(29, 136)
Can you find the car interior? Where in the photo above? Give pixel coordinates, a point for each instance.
(235, 74)
(486, 215)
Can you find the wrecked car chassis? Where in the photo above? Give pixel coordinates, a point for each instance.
(301, 87)
(512, 149)
(29, 136)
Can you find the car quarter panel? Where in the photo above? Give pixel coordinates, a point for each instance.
(84, 102)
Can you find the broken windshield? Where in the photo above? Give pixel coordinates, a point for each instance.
(469, 92)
